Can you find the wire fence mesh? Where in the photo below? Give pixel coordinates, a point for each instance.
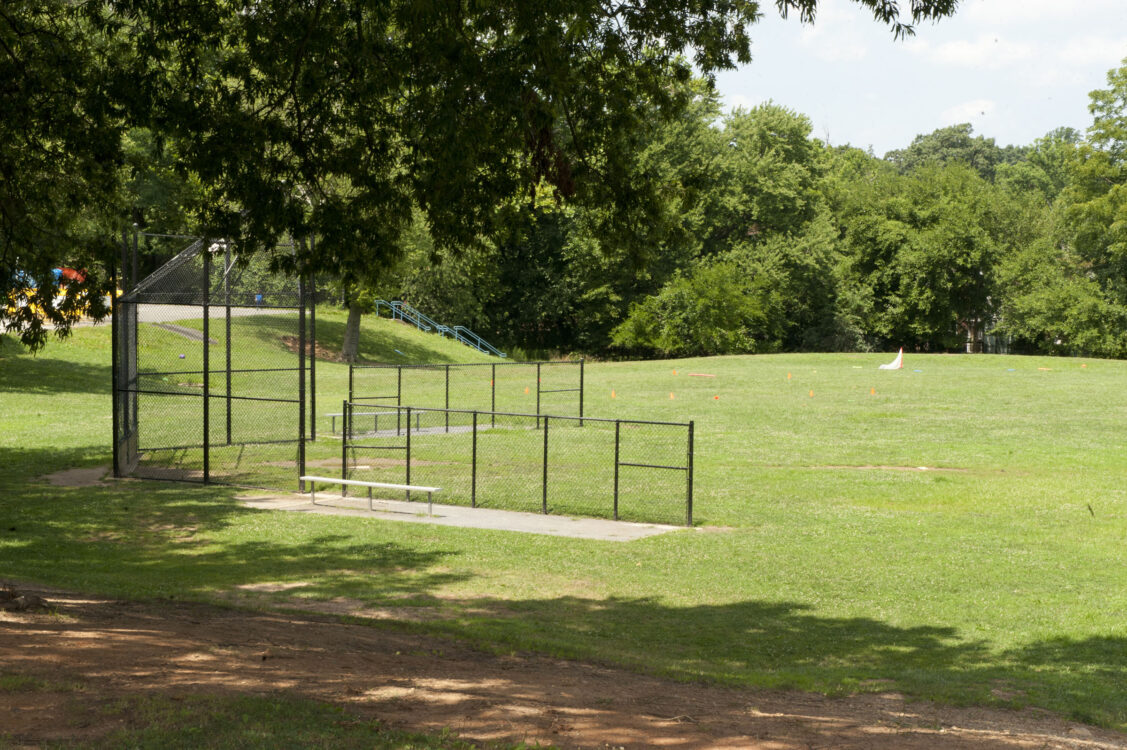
(210, 375)
(621, 469)
(213, 382)
(520, 387)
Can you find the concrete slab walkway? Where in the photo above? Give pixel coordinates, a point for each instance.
(457, 515)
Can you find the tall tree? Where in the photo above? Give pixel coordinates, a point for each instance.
(59, 156)
(335, 119)
(1098, 193)
(955, 144)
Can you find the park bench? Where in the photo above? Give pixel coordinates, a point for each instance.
(370, 485)
(374, 414)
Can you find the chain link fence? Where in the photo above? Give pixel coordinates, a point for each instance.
(521, 387)
(622, 469)
(211, 378)
(213, 382)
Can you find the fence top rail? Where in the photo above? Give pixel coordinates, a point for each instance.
(141, 300)
(233, 370)
(198, 393)
(487, 413)
(392, 365)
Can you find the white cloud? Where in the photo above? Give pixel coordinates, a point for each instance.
(986, 51)
(739, 101)
(831, 48)
(1092, 50)
(970, 111)
(837, 33)
(1011, 12)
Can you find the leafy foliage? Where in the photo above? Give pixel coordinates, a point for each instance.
(330, 124)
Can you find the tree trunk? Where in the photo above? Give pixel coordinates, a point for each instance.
(350, 349)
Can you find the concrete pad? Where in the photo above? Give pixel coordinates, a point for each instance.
(457, 515)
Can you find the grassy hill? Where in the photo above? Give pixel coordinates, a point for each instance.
(953, 530)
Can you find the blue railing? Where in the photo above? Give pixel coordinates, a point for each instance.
(469, 338)
(398, 310)
(406, 312)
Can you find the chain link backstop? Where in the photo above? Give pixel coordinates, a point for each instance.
(212, 382)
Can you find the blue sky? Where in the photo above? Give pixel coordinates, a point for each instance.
(1014, 69)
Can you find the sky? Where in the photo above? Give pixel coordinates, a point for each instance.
(1014, 69)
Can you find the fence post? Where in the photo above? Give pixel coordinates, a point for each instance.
(227, 315)
(301, 394)
(447, 407)
(206, 354)
(689, 489)
(493, 395)
(408, 451)
(133, 276)
(473, 465)
(344, 446)
(123, 275)
(351, 367)
(537, 393)
(312, 295)
(544, 499)
(115, 363)
(581, 393)
(617, 433)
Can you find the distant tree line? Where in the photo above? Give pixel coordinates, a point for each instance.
(333, 126)
(552, 175)
(767, 239)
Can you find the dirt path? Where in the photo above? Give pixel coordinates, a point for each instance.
(425, 684)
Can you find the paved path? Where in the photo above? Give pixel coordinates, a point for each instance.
(457, 515)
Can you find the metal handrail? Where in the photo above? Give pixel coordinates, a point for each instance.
(400, 310)
(476, 341)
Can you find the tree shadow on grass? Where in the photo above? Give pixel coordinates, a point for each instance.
(25, 464)
(164, 539)
(787, 645)
(31, 375)
(167, 540)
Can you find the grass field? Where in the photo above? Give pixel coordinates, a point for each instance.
(832, 562)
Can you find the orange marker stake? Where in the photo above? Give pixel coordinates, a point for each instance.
(612, 395)
(716, 397)
(872, 391)
(671, 395)
(788, 376)
(674, 372)
(526, 389)
(811, 394)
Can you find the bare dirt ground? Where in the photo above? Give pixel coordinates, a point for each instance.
(418, 683)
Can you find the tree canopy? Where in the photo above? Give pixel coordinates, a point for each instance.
(340, 120)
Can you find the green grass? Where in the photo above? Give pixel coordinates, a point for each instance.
(1000, 570)
(245, 721)
(216, 721)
